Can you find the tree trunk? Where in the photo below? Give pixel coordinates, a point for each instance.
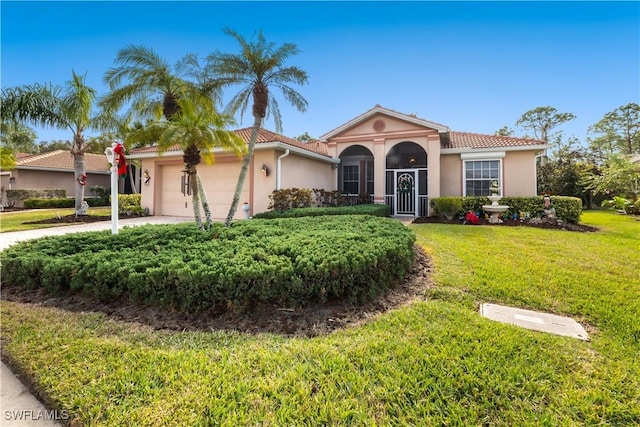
(243, 172)
(132, 179)
(205, 204)
(78, 173)
(195, 197)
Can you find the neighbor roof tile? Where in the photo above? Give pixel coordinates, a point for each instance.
(62, 159)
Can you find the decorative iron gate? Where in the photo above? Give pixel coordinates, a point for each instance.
(405, 192)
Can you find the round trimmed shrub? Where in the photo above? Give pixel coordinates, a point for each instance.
(278, 260)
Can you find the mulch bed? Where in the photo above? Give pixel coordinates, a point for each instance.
(547, 223)
(310, 320)
(73, 219)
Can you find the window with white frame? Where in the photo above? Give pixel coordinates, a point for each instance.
(478, 175)
(350, 179)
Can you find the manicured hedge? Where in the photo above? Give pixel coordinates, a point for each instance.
(567, 208)
(55, 202)
(179, 266)
(15, 196)
(375, 210)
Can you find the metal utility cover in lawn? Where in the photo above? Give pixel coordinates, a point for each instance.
(534, 320)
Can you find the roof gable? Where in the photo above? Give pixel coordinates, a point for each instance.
(379, 110)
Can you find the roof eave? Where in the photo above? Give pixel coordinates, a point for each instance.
(259, 147)
(496, 148)
(42, 168)
(301, 151)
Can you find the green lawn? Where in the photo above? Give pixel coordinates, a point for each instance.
(436, 362)
(15, 221)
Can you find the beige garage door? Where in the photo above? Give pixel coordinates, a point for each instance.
(219, 181)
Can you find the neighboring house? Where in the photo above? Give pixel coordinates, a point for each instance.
(54, 170)
(399, 159)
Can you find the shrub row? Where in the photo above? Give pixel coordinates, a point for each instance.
(55, 202)
(374, 210)
(178, 266)
(567, 208)
(291, 198)
(129, 204)
(15, 196)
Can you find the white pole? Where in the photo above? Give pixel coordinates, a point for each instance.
(114, 198)
(111, 158)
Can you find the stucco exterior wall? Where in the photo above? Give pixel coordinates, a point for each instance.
(27, 179)
(451, 175)
(301, 172)
(519, 173)
(263, 183)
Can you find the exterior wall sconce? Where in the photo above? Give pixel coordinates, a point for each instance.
(146, 177)
(265, 170)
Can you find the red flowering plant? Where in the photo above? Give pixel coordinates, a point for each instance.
(471, 218)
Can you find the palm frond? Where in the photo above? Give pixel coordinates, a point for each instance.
(273, 110)
(239, 102)
(293, 97)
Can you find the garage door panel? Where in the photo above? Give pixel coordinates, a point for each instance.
(219, 181)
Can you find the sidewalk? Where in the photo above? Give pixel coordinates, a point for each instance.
(18, 407)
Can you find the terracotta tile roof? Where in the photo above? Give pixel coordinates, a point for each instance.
(62, 159)
(264, 136)
(477, 140)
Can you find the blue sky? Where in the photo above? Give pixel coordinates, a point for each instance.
(474, 67)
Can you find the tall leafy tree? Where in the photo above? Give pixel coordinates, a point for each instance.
(617, 132)
(618, 176)
(542, 120)
(7, 159)
(197, 129)
(17, 137)
(257, 69)
(63, 107)
(505, 131)
(149, 83)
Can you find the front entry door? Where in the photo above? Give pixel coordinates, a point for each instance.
(406, 191)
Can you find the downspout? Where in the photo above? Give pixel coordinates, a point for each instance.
(279, 171)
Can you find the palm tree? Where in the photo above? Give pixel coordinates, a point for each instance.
(197, 129)
(69, 107)
(258, 67)
(149, 83)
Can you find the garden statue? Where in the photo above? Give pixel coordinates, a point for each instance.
(549, 211)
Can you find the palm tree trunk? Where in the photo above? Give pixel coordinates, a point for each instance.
(243, 172)
(205, 204)
(195, 197)
(132, 180)
(78, 172)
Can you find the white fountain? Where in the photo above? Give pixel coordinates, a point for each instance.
(495, 209)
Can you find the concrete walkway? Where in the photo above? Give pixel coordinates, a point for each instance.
(18, 407)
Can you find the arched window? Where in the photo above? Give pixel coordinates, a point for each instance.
(355, 174)
(406, 155)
